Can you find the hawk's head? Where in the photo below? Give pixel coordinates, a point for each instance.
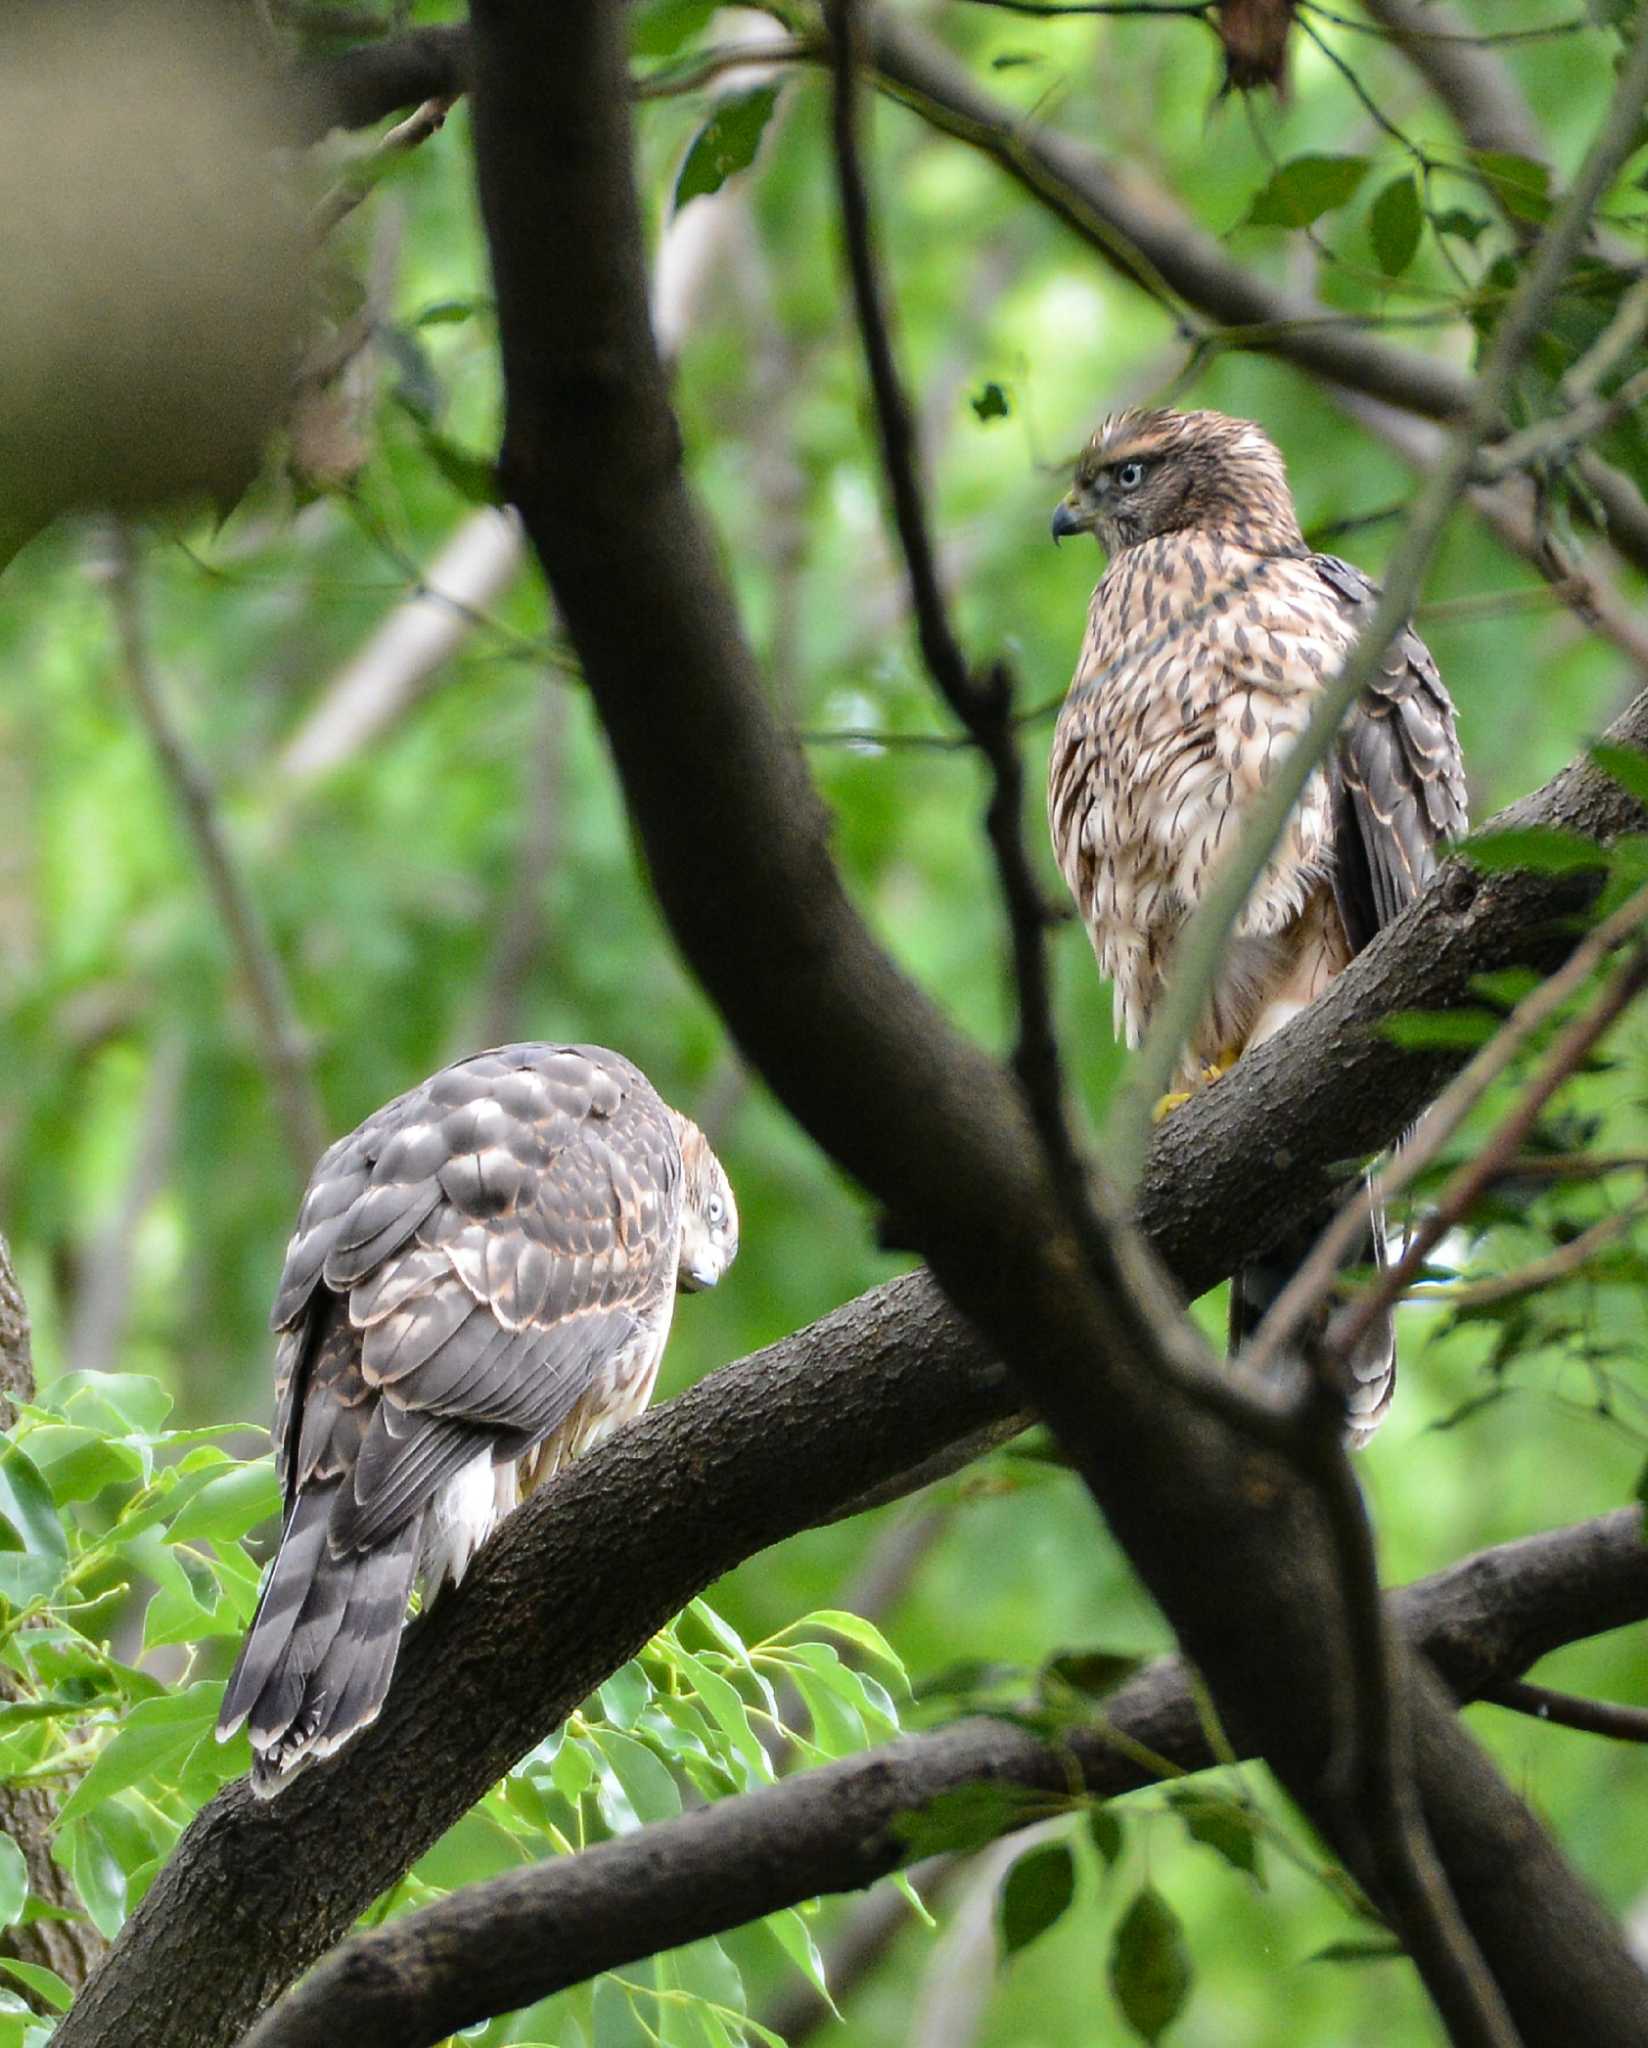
(1147, 473)
(709, 1215)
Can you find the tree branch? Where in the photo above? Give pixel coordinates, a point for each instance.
(870, 1067)
(506, 1943)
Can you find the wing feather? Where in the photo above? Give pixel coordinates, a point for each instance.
(1398, 780)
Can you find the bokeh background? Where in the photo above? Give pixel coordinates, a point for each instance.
(438, 856)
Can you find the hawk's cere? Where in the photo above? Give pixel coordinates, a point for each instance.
(1209, 635)
(479, 1288)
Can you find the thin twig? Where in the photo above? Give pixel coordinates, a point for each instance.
(285, 1049)
(1314, 1279)
(1569, 1710)
(1551, 440)
(1573, 25)
(1561, 1264)
(709, 65)
(406, 135)
(1202, 946)
(1463, 1190)
(984, 704)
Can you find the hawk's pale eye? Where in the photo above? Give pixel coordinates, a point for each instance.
(715, 1212)
(1129, 475)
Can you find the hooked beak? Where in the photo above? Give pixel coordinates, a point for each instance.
(1066, 519)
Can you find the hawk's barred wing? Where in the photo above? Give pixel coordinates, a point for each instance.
(474, 1261)
(1399, 780)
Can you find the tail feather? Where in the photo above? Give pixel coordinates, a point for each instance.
(318, 1659)
(1368, 1375)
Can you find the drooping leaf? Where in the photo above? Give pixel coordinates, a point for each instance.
(155, 1734)
(990, 403)
(1303, 189)
(795, 1938)
(726, 143)
(1109, 1837)
(35, 1548)
(1221, 1825)
(966, 1818)
(113, 1401)
(42, 1982)
(14, 1882)
(1627, 765)
(1150, 1968)
(1395, 222)
(230, 1504)
(1521, 184)
(1535, 849)
(1372, 1951)
(1037, 1891)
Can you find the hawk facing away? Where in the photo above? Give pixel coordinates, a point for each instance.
(1210, 634)
(479, 1288)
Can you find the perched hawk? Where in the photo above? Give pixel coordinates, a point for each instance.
(1209, 635)
(479, 1288)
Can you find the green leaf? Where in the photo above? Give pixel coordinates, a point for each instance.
(97, 1869)
(572, 1772)
(1305, 188)
(624, 1695)
(42, 1982)
(864, 1633)
(1456, 221)
(33, 1548)
(966, 1818)
(113, 1402)
(154, 1735)
(231, 1504)
(474, 477)
(1150, 1970)
(1639, 1493)
(1521, 184)
(1095, 1674)
(1627, 765)
(726, 143)
(1395, 221)
(648, 1786)
(1223, 1826)
(1107, 1833)
(1357, 1952)
(1038, 1890)
(726, 1709)
(991, 403)
(663, 26)
(14, 1882)
(1535, 849)
(449, 312)
(1439, 1030)
(794, 1937)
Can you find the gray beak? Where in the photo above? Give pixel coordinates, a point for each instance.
(1066, 520)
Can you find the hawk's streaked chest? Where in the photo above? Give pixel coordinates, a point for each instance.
(1198, 669)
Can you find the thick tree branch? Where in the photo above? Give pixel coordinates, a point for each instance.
(873, 1070)
(507, 1943)
(887, 1392)
(365, 85)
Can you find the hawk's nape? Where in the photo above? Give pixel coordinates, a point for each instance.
(1210, 635)
(479, 1287)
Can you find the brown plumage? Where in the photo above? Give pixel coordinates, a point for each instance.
(1254, 36)
(479, 1287)
(1208, 637)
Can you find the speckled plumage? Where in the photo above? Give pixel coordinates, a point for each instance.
(1208, 638)
(479, 1287)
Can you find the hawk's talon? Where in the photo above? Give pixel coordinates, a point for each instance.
(1165, 1105)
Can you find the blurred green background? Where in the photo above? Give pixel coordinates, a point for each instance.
(464, 872)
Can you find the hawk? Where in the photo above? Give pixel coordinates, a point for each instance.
(1210, 634)
(479, 1288)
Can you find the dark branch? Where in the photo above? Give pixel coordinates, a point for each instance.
(365, 85)
(1568, 1710)
(501, 1945)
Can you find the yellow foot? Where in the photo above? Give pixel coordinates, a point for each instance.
(1214, 1070)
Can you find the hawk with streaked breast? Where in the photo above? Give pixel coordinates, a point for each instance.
(479, 1287)
(1208, 638)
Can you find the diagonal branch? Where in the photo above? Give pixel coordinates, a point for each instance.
(885, 1394)
(504, 1944)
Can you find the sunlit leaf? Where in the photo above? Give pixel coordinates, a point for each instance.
(794, 1937)
(155, 1735)
(231, 1504)
(1627, 765)
(35, 1549)
(1535, 849)
(1521, 184)
(42, 1982)
(966, 1817)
